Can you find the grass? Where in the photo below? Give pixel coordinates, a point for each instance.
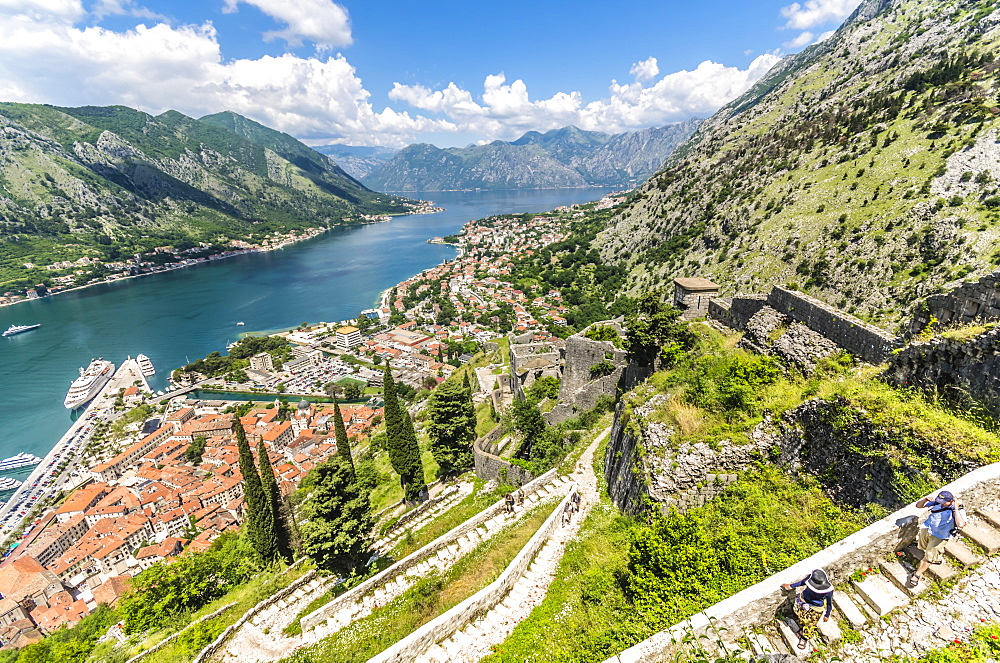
(185, 647)
(484, 419)
(295, 628)
(429, 597)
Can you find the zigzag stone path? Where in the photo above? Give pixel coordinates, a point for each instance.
(477, 639)
(396, 534)
(261, 639)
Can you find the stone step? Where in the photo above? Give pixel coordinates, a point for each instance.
(436, 654)
(760, 644)
(789, 637)
(961, 553)
(829, 630)
(942, 572)
(849, 609)
(899, 575)
(992, 516)
(983, 536)
(880, 594)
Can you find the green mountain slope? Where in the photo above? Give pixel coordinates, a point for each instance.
(864, 169)
(103, 182)
(559, 158)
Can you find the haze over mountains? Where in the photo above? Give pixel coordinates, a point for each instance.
(863, 169)
(567, 157)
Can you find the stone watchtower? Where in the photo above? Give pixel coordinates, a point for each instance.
(692, 296)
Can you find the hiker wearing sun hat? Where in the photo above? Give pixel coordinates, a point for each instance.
(810, 602)
(946, 517)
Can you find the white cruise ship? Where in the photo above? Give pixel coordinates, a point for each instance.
(145, 365)
(23, 459)
(6, 483)
(92, 379)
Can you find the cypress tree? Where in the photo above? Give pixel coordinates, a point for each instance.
(339, 519)
(253, 493)
(452, 426)
(272, 524)
(401, 440)
(343, 444)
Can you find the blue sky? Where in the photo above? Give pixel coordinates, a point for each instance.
(392, 72)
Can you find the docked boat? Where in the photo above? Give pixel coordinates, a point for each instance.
(92, 379)
(17, 329)
(145, 365)
(23, 459)
(6, 483)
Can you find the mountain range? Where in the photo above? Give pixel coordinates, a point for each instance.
(109, 181)
(567, 157)
(863, 170)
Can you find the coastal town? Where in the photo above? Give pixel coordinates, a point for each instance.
(154, 476)
(66, 275)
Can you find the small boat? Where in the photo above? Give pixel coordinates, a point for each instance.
(240, 324)
(17, 329)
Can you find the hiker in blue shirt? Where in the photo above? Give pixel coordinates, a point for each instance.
(946, 518)
(809, 603)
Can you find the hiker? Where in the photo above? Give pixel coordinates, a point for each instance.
(509, 502)
(946, 518)
(519, 494)
(567, 513)
(575, 501)
(809, 603)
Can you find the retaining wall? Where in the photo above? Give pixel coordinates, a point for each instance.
(444, 626)
(969, 302)
(759, 603)
(210, 651)
(490, 466)
(355, 593)
(857, 337)
(163, 643)
(736, 311)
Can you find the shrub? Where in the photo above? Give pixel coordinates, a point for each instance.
(602, 369)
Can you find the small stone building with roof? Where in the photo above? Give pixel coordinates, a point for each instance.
(692, 295)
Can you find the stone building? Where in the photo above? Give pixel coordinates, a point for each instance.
(692, 295)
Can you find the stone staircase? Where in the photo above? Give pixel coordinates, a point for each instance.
(440, 561)
(262, 638)
(870, 604)
(448, 498)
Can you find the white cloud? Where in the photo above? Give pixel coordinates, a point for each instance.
(322, 22)
(804, 39)
(67, 11)
(506, 109)
(646, 70)
(815, 13)
(123, 8)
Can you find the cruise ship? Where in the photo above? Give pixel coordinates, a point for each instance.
(6, 483)
(17, 329)
(145, 365)
(23, 459)
(91, 380)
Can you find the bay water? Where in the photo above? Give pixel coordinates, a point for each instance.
(179, 316)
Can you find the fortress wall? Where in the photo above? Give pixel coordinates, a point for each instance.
(857, 337)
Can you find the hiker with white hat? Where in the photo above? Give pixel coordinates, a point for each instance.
(809, 603)
(946, 518)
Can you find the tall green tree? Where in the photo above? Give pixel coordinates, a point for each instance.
(253, 493)
(278, 526)
(452, 426)
(654, 331)
(527, 420)
(343, 444)
(401, 441)
(335, 535)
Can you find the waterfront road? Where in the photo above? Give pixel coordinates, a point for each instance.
(58, 471)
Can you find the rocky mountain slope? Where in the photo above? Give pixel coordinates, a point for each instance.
(559, 158)
(357, 160)
(864, 170)
(109, 181)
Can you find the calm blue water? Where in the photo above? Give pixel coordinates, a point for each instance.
(185, 314)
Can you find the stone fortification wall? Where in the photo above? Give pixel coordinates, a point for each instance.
(758, 604)
(734, 312)
(579, 389)
(859, 338)
(444, 626)
(490, 466)
(772, 333)
(831, 440)
(357, 592)
(969, 302)
(166, 641)
(963, 370)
